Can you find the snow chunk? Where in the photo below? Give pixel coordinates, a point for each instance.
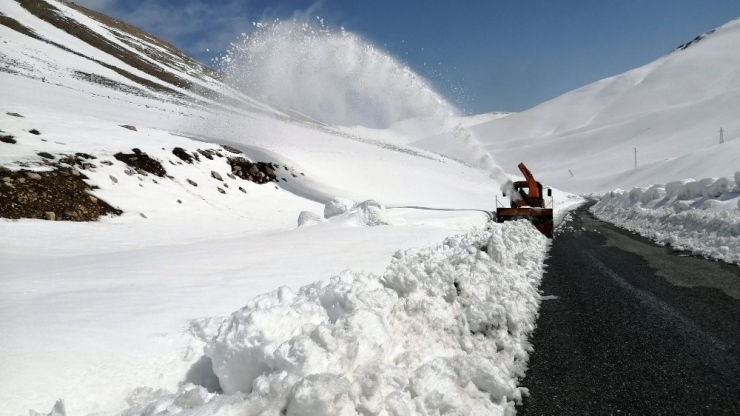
(337, 206)
(672, 188)
(368, 214)
(308, 218)
(719, 187)
(653, 193)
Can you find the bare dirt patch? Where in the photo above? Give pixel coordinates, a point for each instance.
(60, 194)
(16, 25)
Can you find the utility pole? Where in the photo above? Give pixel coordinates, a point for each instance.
(721, 136)
(635, 158)
(571, 173)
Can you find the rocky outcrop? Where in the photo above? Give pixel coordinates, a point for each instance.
(59, 194)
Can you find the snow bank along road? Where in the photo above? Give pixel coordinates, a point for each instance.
(633, 328)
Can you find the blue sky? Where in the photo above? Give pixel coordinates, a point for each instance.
(482, 55)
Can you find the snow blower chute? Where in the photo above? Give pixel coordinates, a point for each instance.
(527, 202)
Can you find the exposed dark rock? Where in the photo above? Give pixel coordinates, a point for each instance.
(182, 154)
(192, 182)
(142, 162)
(221, 190)
(258, 172)
(45, 155)
(7, 139)
(216, 175)
(128, 126)
(34, 131)
(14, 115)
(207, 153)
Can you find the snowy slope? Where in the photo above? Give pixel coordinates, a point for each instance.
(671, 110)
(91, 311)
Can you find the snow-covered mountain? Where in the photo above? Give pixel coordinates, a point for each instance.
(78, 49)
(670, 110)
(207, 199)
(199, 191)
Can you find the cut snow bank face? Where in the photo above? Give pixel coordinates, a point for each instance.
(443, 329)
(699, 216)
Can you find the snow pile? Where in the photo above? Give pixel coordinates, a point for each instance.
(444, 329)
(698, 216)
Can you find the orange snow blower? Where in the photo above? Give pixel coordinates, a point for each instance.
(527, 202)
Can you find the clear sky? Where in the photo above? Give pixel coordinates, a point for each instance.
(482, 55)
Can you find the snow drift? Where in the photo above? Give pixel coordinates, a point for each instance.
(443, 329)
(698, 216)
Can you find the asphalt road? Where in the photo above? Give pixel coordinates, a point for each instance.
(632, 328)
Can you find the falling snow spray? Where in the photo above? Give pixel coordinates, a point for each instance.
(338, 78)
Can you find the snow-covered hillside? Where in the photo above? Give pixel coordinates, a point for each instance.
(97, 312)
(670, 110)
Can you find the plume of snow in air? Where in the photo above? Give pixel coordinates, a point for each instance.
(331, 75)
(338, 78)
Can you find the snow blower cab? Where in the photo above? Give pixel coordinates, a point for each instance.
(527, 202)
